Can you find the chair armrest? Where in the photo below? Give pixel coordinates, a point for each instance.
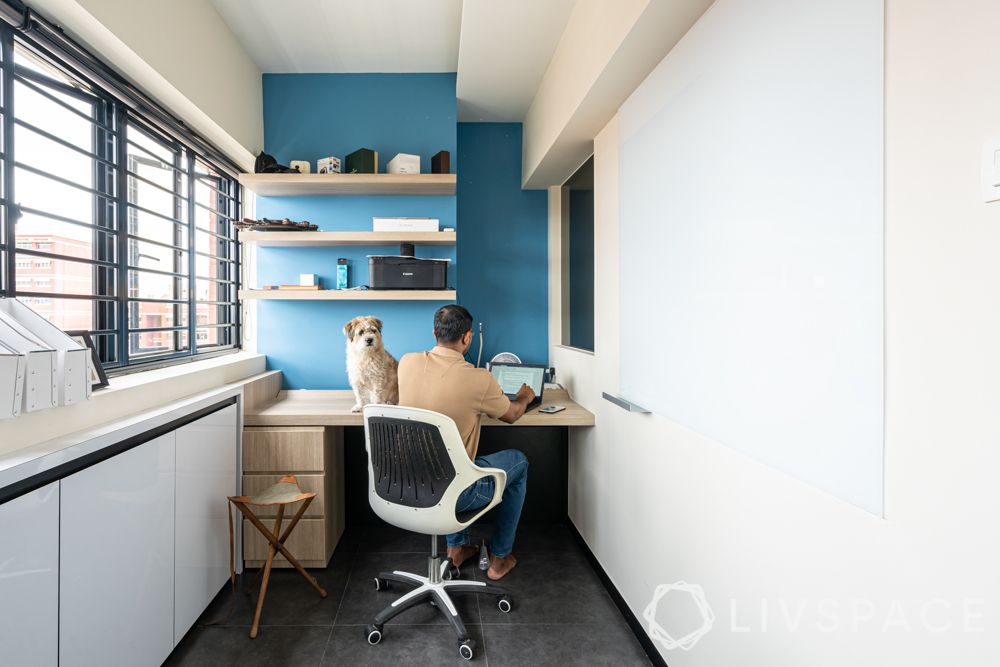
(500, 482)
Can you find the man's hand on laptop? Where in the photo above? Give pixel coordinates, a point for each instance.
(525, 395)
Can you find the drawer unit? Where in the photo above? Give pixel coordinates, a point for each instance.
(315, 455)
(287, 449)
(308, 543)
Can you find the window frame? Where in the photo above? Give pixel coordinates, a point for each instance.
(109, 295)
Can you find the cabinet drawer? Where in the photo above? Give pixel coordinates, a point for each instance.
(309, 483)
(286, 449)
(307, 542)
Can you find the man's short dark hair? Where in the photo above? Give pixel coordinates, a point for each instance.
(451, 323)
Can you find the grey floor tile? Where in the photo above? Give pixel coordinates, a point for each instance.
(290, 600)
(551, 587)
(361, 601)
(231, 647)
(385, 538)
(544, 537)
(611, 644)
(401, 645)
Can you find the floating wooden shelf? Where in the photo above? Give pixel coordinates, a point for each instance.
(284, 239)
(350, 295)
(279, 185)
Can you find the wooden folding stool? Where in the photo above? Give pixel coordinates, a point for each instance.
(285, 492)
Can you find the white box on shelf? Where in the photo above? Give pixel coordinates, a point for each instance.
(328, 165)
(307, 279)
(12, 364)
(406, 224)
(40, 391)
(404, 163)
(72, 359)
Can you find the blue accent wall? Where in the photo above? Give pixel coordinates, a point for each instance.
(502, 275)
(503, 244)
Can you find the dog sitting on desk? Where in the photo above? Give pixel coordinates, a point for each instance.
(371, 370)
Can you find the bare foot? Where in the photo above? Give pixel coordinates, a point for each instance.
(500, 567)
(459, 555)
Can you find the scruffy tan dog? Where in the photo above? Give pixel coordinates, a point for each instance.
(371, 370)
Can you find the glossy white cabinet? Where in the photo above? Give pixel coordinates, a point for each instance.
(117, 559)
(29, 578)
(207, 472)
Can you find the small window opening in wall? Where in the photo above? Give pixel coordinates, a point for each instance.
(579, 287)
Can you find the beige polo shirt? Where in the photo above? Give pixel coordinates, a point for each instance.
(443, 381)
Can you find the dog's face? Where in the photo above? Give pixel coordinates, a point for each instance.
(364, 333)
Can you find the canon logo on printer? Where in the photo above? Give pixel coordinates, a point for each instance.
(407, 273)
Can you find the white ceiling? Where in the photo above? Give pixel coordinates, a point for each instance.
(505, 49)
(500, 48)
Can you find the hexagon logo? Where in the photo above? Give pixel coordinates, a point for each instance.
(696, 595)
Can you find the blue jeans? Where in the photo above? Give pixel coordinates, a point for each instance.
(508, 512)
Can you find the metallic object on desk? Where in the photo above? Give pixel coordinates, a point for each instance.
(504, 358)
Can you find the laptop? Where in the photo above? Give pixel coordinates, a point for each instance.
(510, 377)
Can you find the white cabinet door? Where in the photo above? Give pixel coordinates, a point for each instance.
(117, 559)
(206, 473)
(29, 578)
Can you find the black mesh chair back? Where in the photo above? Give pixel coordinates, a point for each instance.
(410, 462)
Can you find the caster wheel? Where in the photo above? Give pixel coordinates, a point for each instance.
(373, 633)
(451, 573)
(504, 603)
(466, 649)
(381, 584)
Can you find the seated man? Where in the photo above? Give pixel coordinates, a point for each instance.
(443, 381)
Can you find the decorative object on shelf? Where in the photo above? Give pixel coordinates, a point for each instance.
(98, 378)
(404, 163)
(267, 164)
(286, 225)
(397, 272)
(362, 161)
(342, 267)
(309, 280)
(301, 166)
(405, 224)
(328, 165)
(441, 163)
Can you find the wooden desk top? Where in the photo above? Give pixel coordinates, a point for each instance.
(307, 407)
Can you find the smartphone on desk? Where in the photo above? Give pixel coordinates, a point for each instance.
(552, 409)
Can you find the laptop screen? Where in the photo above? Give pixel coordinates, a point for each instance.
(511, 377)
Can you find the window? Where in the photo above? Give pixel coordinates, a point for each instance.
(579, 189)
(118, 227)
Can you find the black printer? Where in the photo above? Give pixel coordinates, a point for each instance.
(406, 272)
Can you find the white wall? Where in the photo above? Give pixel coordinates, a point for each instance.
(658, 504)
(182, 54)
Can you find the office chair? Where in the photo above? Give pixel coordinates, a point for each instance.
(417, 468)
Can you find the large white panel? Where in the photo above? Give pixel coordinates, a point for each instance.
(29, 578)
(206, 473)
(116, 602)
(751, 237)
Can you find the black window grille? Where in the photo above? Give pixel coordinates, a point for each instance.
(108, 223)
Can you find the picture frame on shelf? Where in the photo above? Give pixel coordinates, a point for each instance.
(98, 378)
